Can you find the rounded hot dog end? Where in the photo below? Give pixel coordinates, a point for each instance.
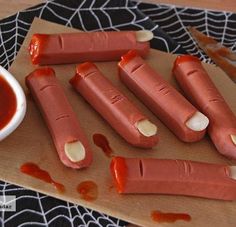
(200, 89)
(173, 177)
(69, 139)
(114, 106)
(179, 115)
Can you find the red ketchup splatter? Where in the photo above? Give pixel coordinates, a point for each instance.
(102, 142)
(34, 171)
(88, 190)
(7, 102)
(159, 216)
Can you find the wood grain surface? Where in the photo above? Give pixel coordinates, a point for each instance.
(31, 142)
(10, 7)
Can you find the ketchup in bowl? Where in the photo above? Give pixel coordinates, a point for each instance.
(7, 102)
(12, 103)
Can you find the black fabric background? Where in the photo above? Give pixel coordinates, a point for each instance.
(168, 24)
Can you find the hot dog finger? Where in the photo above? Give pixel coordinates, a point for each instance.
(113, 106)
(180, 116)
(86, 46)
(174, 177)
(198, 86)
(69, 139)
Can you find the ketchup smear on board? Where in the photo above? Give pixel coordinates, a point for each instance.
(34, 171)
(169, 217)
(7, 103)
(88, 190)
(102, 142)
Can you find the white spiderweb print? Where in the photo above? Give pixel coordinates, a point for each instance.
(88, 15)
(35, 209)
(175, 20)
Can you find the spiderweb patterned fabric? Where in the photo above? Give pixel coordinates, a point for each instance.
(175, 20)
(170, 35)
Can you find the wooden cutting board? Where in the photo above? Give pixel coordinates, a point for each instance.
(31, 142)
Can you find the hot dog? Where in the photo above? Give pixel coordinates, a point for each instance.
(69, 139)
(64, 48)
(113, 106)
(180, 116)
(174, 177)
(198, 86)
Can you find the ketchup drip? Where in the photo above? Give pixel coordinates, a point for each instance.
(7, 103)
(169, 217)
(102, 142)
(88, 190)
(34, 171)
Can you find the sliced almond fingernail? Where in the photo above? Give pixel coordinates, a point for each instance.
(146, 128)
(144, 35)
(232, 173)
(233, 138)
(75, 151)
(197, 122)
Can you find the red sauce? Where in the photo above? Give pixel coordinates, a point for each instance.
(88, 190)
(34, 171)
(8, 103)
(102, 142)
(182, 59)
(118, 170)
(81, 72)
(128, 57)
(36, 45)
(169, 217)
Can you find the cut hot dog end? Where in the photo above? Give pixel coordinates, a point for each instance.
(118, 170)
(35, 47)
(173, 177)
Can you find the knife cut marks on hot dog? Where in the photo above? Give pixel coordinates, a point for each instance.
(200, 89)
(174, 177)
(45, 49)
(114, 106)
(179, 115)
(69, 139)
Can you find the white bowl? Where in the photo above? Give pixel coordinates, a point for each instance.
(20, 104)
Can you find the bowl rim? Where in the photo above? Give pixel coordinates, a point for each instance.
(20, 106)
